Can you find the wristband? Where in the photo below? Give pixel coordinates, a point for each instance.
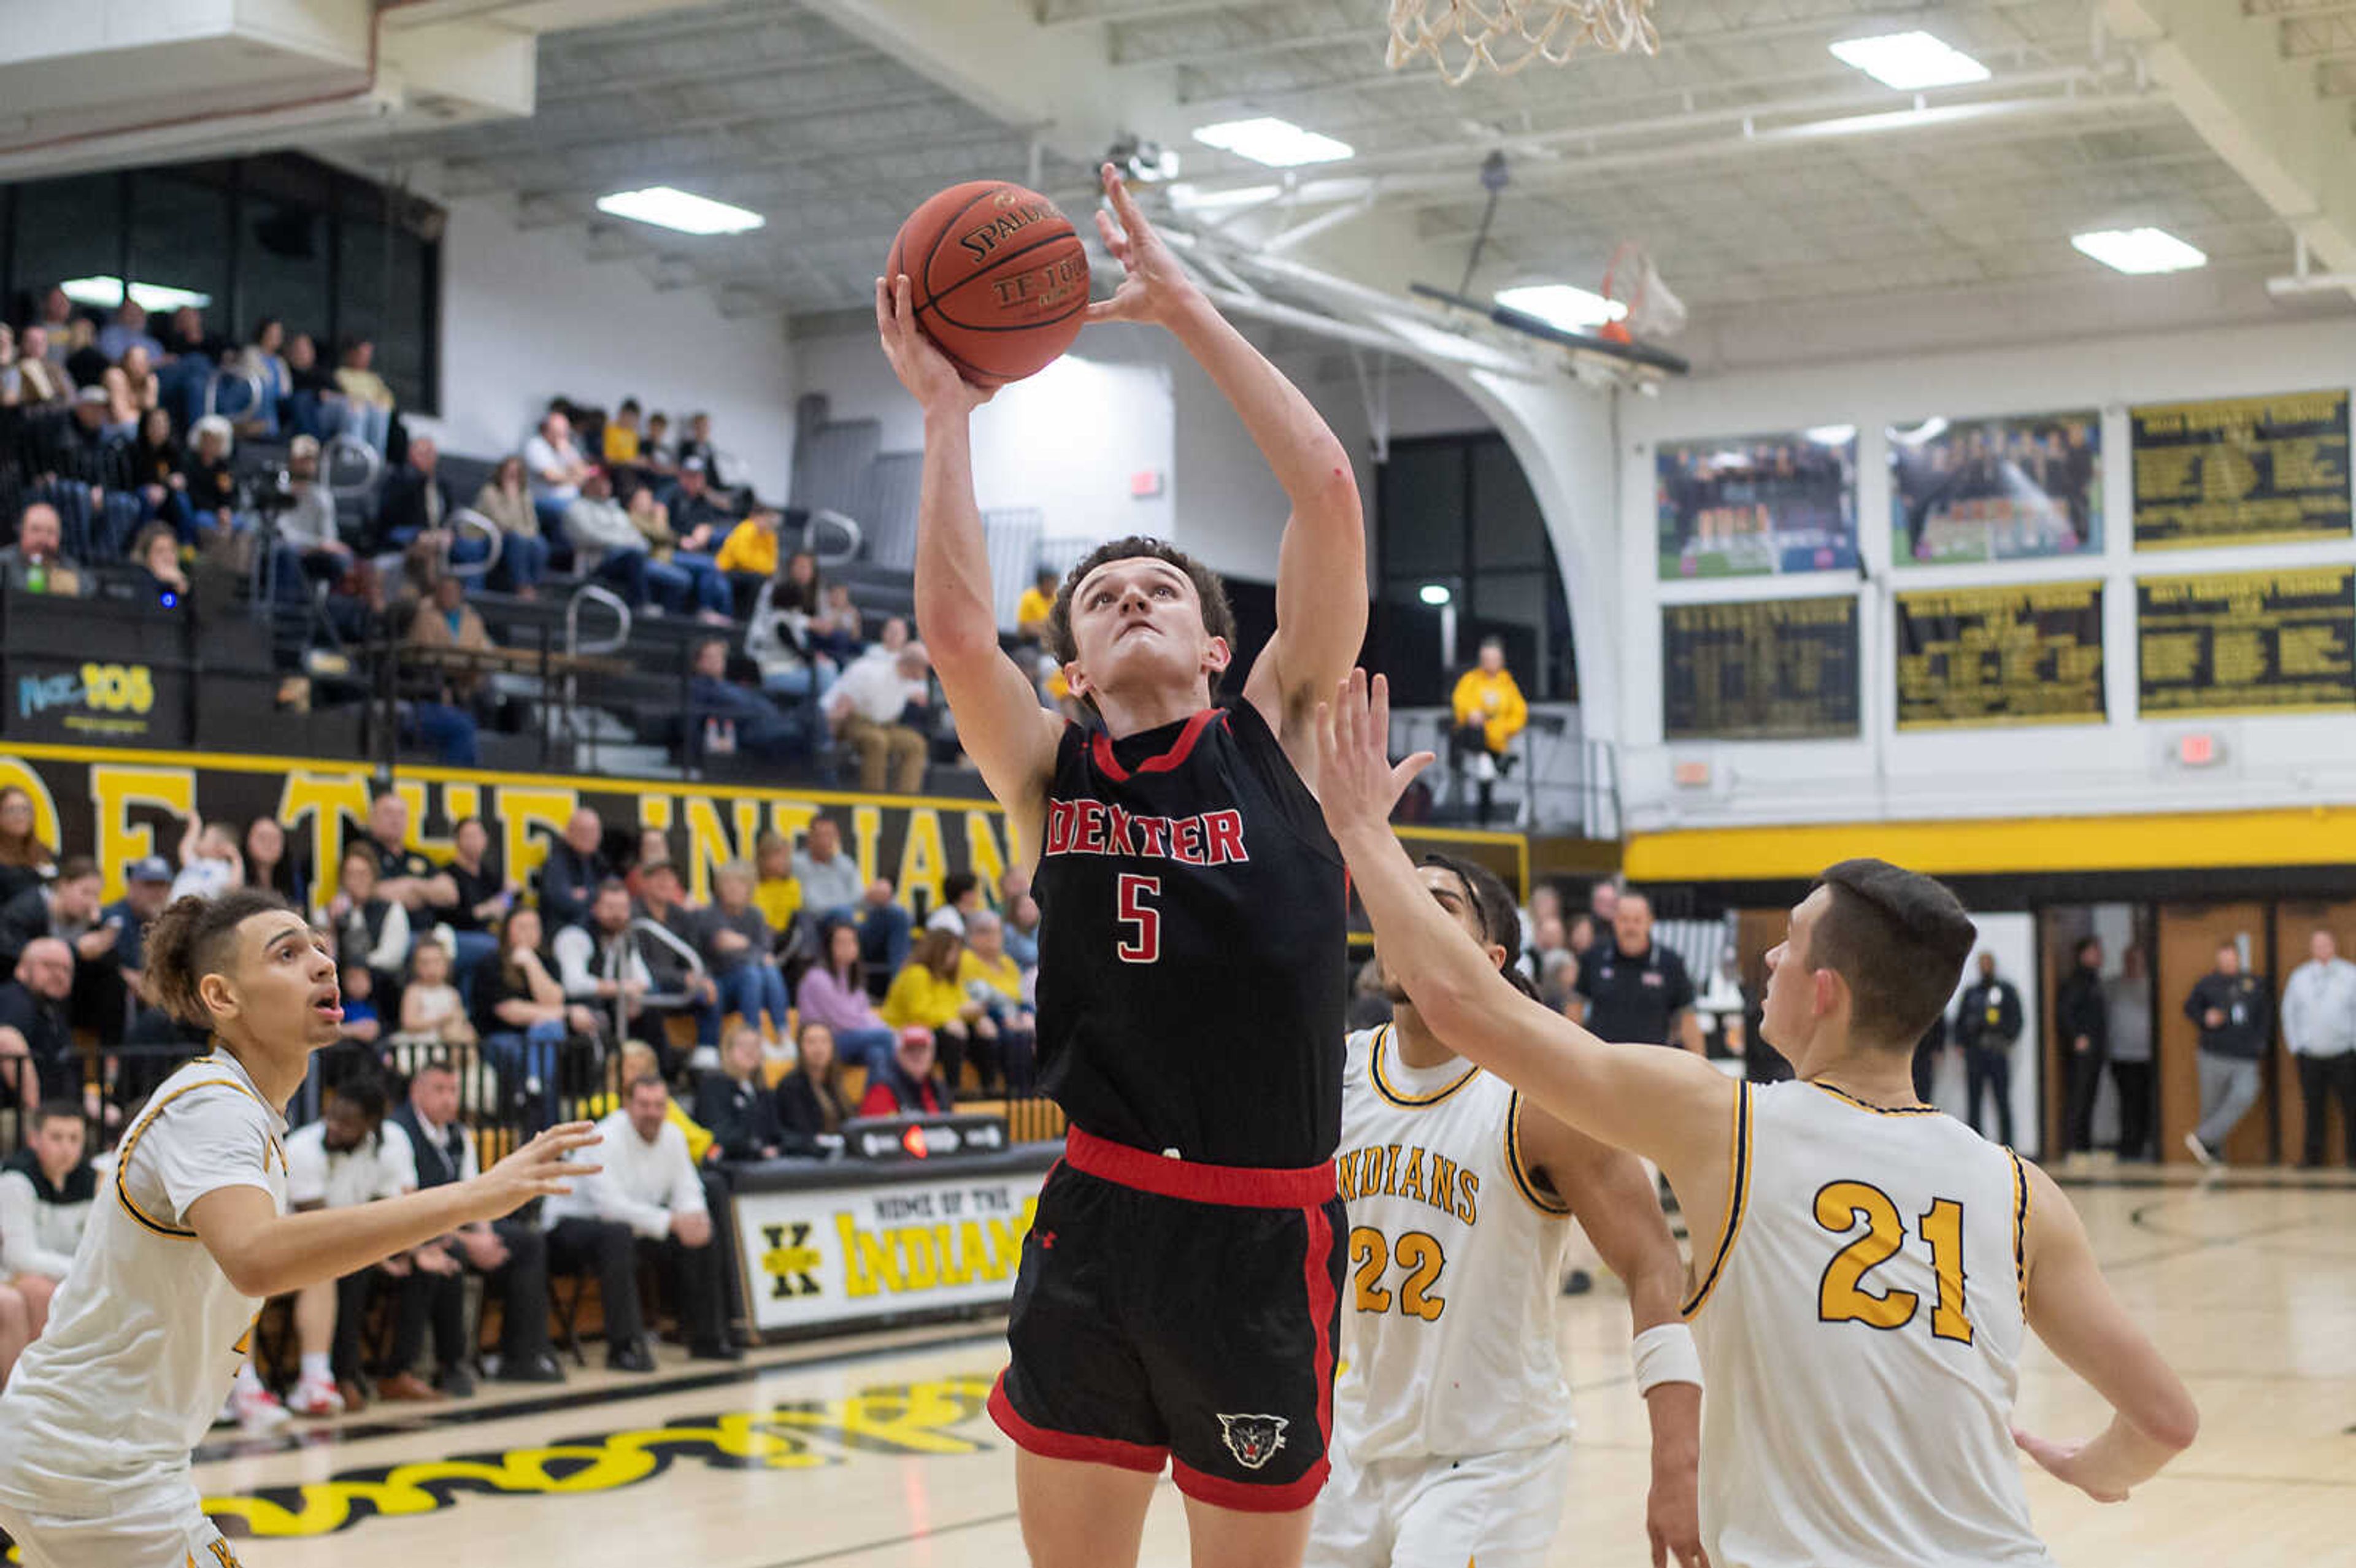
(1666, 1354)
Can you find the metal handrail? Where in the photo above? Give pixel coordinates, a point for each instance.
(230, 372)
(348, 447)
(594, 592)
(466, 519)
(828, 516)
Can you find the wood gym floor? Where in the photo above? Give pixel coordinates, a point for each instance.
(875, 1452)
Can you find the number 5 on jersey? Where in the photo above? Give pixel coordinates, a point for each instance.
(1140, 922)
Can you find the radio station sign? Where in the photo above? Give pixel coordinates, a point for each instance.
(2248, 642)
(826, 1255)
(2000, 655)
(59, 700)
(2241, 471)
(1770, 670)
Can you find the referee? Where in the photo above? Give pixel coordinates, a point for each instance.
(1633, 991)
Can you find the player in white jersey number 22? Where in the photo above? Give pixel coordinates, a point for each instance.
(156, 1316)
(1452, 1421)
(1865, 1268)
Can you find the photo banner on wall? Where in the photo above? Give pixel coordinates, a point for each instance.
(2248, 642)
(1979, 657)
(1997, 489)
(1756, 505)
(1772, 670)
(2241, 471)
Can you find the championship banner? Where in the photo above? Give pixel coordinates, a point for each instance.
(2241, 471)
(1757, 505)
(2001, 655)
(121, 804)
(1773, 669)
(825, 1255)
(2248, 642)
(2001, 489)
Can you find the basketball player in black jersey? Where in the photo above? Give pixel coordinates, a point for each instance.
(1180, 1290)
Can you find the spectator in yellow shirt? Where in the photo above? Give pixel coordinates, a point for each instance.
(992, 978)
(775, 894)
(926, 995)
(622, 433)
(1490, 712)
(751, 548)
(1038, 604)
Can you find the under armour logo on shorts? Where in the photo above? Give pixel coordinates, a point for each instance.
(1252, 1439)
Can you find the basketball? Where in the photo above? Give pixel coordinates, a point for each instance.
(999, 281)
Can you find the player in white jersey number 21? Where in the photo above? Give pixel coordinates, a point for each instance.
(156, 1316)
(1451, 1422)
(1866, 1269)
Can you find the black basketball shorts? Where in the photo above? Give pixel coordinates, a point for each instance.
(1170, 1311)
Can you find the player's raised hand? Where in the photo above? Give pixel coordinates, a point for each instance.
(2069, 1462)
(1357, 784)
(1153, 286)
(922, 367)
(538, 1169)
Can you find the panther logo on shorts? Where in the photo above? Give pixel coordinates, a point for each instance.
(1252, 1439)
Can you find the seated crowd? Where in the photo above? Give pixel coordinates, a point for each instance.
(701, 1034)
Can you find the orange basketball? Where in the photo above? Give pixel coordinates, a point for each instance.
(998, 279)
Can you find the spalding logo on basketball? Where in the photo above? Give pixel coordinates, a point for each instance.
(998, 279)
(1252, 1439)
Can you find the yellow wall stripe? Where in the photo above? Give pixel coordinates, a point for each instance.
(2292, 836)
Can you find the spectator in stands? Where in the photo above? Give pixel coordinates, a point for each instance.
(646, 1198)
(417, 503)
(211, 482)
(2318, 1027)
(908, 1083)
(832, 886)
(750, 549)
(838, 625)
(732, 1101)
(404, 874)
(736, 941)
(925, 994)
(992, 978)
(1490, 712)
(12, 380)
(155, 566)
(56, 319)
(700, 512)
(147, 889)
(776, 892)
(1037, 605)
(1022, 919)
(269, 867)
(753, 723)
(24, 861)
(445, 621)
(341, 1161)
(121, 421)
(674, 958)
(777, 639)
(1634, 989)
(575, 868)
(67, 910)
(157, 458)
(695, 445)
(599, 964)
(506, 499)
(365, 393)
(866, 709)
(557, 471)
(308, 528)
(210, 863)
(43, 382)
(46, 1191)
(38, 1056)
(1987, 1025)
(143, 388)
(678, 573)
(656, 454)
(605, 543)
(621, 440)
(525, 1021)
(812, 1102)
(512, 1254)
(960, 900)
(431, 1010)
(834, 992)
(484, 894)
(371, 930)
(36, 562)
(265, 358)
(317, 406)
(128, 331)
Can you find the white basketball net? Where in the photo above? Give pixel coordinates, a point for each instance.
(1460, 37)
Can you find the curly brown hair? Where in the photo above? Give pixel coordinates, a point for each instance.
(196, 937)
(1218, 615)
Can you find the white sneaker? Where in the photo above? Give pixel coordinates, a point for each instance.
(257, 1411)
(1484, 768)
(705, 1059)
(2200, 1151)
(315, 1396)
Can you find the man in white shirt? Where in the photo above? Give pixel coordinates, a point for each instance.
(555, 468)
(865, 708)
(600, 964)
(2319, 1024)
(341, 1161)
(46, 1191)
(648, 1195)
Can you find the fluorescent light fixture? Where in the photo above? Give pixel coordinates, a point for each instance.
(667, 208)
(107, 293)
(1910, 61)
(2140, 250)
(1928, 430)
(1279, 144)
(1562, 305)
(1832, 435)
(1435, 594)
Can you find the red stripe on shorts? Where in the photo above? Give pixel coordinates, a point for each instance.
(1234, 1185)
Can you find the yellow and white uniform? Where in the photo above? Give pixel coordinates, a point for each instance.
(144, 1338)
(1860, 1322)
(1451, 1422)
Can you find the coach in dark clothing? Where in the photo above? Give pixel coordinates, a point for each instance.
(1987, 1025)
(1630, 989)
(576, 867)
(512, 1254)
(2235, 1015)
(2082, 1017)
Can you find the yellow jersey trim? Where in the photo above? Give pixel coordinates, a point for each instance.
(1525, 1180)
(1846, 1098)
(1738, 1193)
(1410, 1101)
(131, 1145)
(2021, 1227)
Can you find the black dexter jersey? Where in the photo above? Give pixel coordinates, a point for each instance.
(1193, 945)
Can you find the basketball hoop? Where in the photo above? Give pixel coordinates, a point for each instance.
(1510, 35)
(1647, 307)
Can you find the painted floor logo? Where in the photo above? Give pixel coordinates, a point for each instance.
(917, 1419)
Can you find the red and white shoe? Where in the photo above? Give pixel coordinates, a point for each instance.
(255, 1410)
(315, 1396)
